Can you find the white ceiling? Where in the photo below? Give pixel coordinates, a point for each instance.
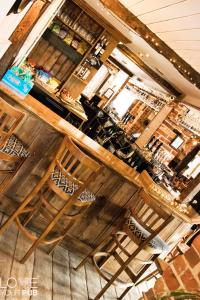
(139, 78)
(176, 22)
(147, 10)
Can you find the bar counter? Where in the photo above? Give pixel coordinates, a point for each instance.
(59, 124)
(42, 131)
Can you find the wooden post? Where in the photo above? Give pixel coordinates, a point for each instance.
(194, 187)
(20, 34)
(153, 126)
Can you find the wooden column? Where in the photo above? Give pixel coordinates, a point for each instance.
(153, 126)
(194, 187)
(20, 34)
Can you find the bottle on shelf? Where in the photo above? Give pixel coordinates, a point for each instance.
(83, 70)
(151, 143)
(157, 148)
(100, 47)
(154, 146)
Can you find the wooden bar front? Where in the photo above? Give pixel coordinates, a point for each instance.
(42, 132)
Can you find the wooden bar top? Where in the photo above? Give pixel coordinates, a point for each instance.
(32, 105)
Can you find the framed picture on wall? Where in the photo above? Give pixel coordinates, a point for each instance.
(108, 94)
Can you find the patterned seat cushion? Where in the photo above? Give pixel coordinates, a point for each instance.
(14, 147)
(70, 187)
(141, 233)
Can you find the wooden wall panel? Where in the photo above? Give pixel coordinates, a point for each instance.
(52, 60)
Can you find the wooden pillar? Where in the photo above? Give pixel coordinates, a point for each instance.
(20, 34)
(194, 187)
(153, 126)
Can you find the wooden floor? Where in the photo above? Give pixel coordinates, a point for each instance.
(51, 277)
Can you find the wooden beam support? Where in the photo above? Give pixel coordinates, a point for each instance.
(20, 34)
(153, 40)
(194, 187)
(161, 81)
(153, 126)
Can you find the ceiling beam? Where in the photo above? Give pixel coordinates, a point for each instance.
(161, 81)
(153, 40)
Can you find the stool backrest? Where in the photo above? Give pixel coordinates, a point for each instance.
(75, 164)
(149, 214)
(10, 118)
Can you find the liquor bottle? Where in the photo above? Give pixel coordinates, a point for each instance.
(154, 146)
(101, 46)
(97, 49)
(84, 70)
(151, 143)
(157, 148)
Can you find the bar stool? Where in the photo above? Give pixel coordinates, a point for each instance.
(143, 226)
(67, 178)
(11, 148)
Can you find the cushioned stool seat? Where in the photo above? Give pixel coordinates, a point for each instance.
(14, 147)
(141, 233)
(70, 187)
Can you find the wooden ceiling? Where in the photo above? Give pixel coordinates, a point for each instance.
(176, 22)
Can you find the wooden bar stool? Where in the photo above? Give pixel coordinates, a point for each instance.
(63, 187)
(143, 226)
(11, 148)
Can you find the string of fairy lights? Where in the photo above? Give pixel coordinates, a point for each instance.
(156, 42)
(172, 60)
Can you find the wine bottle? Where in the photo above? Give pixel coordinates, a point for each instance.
(151, 143)
(157, 148)
(154, 146)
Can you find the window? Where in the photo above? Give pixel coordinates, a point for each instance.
(177, 142)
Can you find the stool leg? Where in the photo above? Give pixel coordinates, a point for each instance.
(82, 263)
(109, 283)
(27, 200)
(125, 292)
(62, 234)
(120, 270)
(4, 185)
(37, 242)
(23, 205)
(51, 225)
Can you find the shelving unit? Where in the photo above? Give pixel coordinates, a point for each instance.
(57, 42)
(59, 57)
(75, 31)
